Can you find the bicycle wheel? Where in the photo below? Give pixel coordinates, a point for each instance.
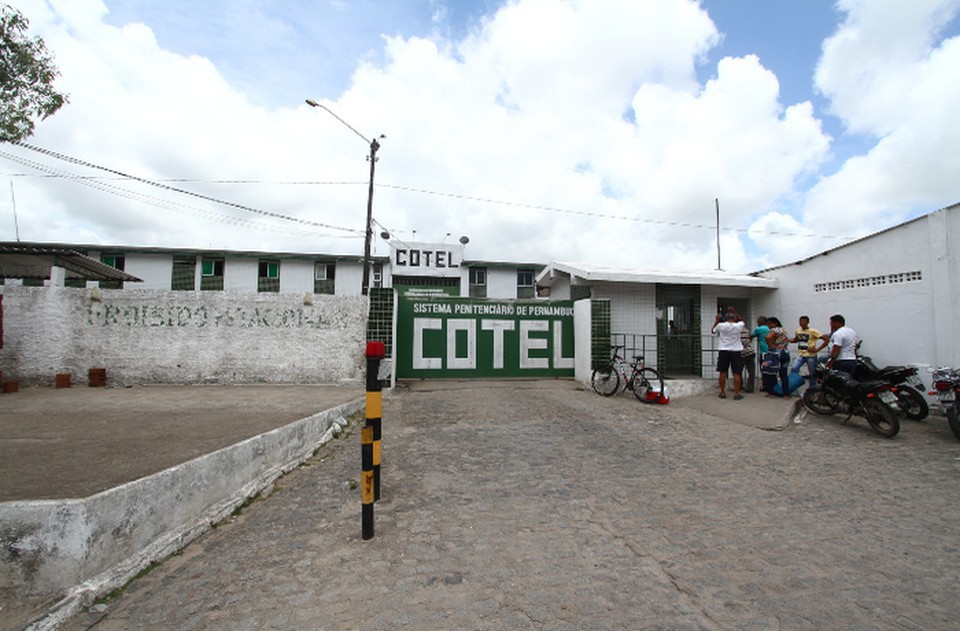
(647, 385)
(605, 381)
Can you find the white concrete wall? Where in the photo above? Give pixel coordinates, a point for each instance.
(582, 336)
(82, 549)
(501, 283)
(296, 276)
(155, 270)
(633, 311)
(912, 322)
(240, 275)
(560, 289)
(181, 337)
(349, 279)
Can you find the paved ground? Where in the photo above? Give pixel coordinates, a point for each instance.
(74, 442)
(540, 506)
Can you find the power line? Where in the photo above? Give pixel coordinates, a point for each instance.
(250, 209)
(98, 184)
(422, 191)
(588, 213)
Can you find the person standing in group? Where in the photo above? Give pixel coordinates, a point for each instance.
(777, 341)
(761, 333)
(749, 360)
(808, 343)
(843, 345)
(730, 348)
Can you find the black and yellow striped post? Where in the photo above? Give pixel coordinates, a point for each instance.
(366, 481)
(375, 353)
(370, 437)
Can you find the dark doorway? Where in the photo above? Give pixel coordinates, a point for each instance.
(678, 330)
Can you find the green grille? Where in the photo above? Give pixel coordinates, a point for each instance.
(211, 283)
(323, 286)
(268, 285)
(184, 273)
(380, 318)
(599, 333)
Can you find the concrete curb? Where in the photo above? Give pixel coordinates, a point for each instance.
(87, 548)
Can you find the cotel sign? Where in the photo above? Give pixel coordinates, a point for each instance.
(461, 337)
(425, 259)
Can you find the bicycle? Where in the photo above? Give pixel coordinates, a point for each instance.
(636, 376)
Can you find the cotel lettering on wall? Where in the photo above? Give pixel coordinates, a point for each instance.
(425, 259)
(458, 337)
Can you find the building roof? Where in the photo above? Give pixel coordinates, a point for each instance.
(34, 261)
(600, 273)
(208, 252)
(952, 207)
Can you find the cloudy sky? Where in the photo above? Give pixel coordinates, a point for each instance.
(545, 130)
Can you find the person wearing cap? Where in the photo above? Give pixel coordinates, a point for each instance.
(728, 326)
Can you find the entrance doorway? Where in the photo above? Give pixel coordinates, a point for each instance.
(678, 330)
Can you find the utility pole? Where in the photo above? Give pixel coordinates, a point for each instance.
(368, 235)
(717, 204)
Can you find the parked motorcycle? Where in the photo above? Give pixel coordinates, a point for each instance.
(946, 386)
(908, 386)
(836, 391)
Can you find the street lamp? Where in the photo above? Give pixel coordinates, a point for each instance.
(368, 235)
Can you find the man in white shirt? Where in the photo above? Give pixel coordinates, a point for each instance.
(843, 345)
(730, 347)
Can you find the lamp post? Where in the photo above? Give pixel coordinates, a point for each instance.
(368, 235)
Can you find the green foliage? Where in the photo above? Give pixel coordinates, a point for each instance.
(27, 73)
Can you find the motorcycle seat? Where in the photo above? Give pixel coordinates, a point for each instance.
(844, 380)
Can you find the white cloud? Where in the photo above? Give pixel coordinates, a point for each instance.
(586, 117)
(889, 77)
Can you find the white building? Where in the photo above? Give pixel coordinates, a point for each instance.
(898, 289)
(665, 316)
(181, 269)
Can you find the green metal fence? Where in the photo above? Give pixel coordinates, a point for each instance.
(672, 355)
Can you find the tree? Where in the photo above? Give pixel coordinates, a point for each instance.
(27, 73)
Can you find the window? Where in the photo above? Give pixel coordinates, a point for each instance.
(377, 275)
(525, 287)
(871, 281)
(268, 279)
(478, 282)
(114, 260)
(184, 273)
(118, 261)
(212, 267)
(323, 277)
(211, 274)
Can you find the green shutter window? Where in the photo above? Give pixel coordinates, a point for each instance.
(268, 277)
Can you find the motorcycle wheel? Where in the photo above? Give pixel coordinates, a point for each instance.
(882, 419)
(953, 421)
(912, 403)
(820, 401)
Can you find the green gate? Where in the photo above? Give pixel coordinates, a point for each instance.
(469, 337)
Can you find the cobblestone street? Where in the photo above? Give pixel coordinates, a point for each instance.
(538, 505)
